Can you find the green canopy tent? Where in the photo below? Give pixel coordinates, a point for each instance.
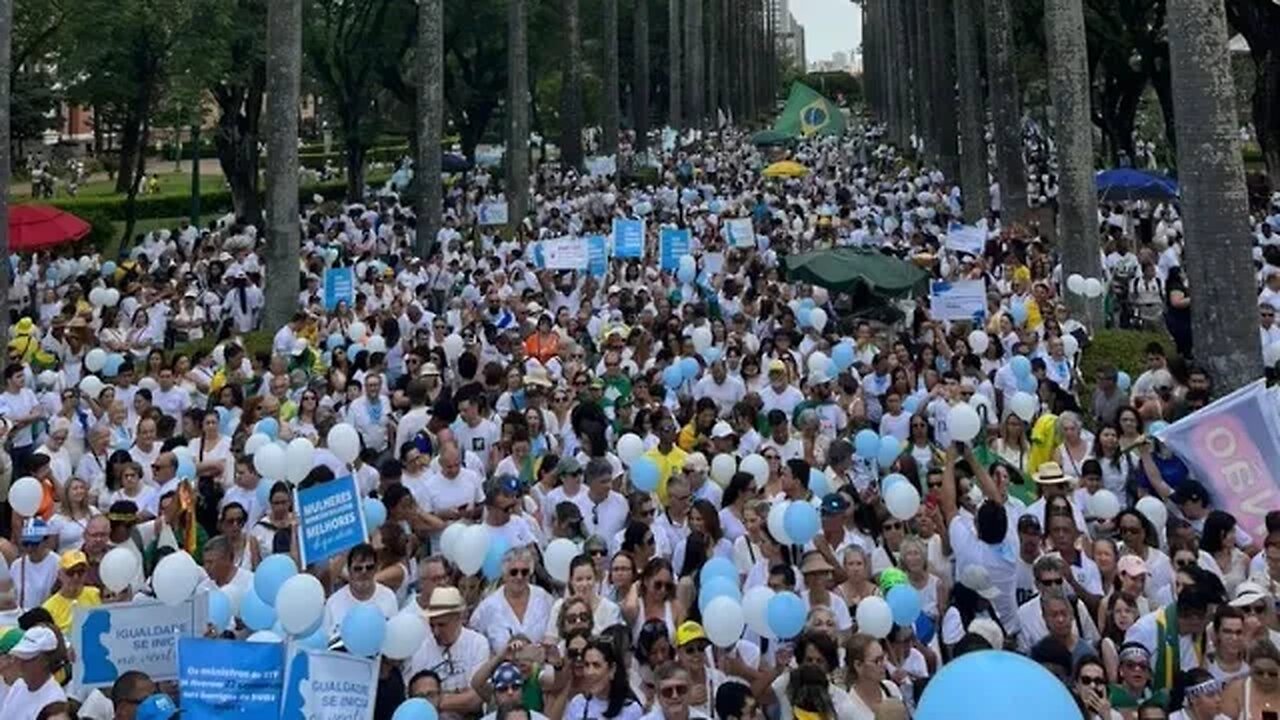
(870, 278)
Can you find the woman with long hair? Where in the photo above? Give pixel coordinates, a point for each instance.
(1117, 465)
(1218, 540)
(231, 525)
(1012, 445)
(392, 545)
(73, 514)
(1129, 421)
(607, 693)
(1257, 695)
(652, 650)
(1090, 689)
(746, 549)
(1140, 538)
(279, 516)
(857, 584)
(304, 423)
(733, 504)
(920, 444)
(868, 687)
(704, 522)
(212, 452)
(622, 576)
(653, 597)
(1075, 444)
(914, 560)
(583, 584)
(1122, 613)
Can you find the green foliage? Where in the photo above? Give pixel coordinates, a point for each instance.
(103, 233)
(33, 104)
(254, 343)
(1124, 349)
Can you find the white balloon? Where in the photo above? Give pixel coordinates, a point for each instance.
(1023, 405)
(118, 568)
(723, 466)
(453, 347)
(377, 343)
(963, 422)
(91, 386)
(979, 341)
(344, 441)
(630, 447)
(701, 337)
(1070, 345)
(449, 540)
(1103, 505)
(254, 442)
(757, 467)
(97, 297)
(874, 616)
(405, 634)
(175, 578)
(775, 522)
(95, 359)
(820, 295)
(818, 362)
(1271, 354)
(986, 410)
(25, 496)
(1093, 288)
(471, 548)
(300, 603)
(559, 554)
(299, 458)
(755, 609)
(264, 636)
(818, 319)
(1154, 510)
(112, 297)
(269, 462)
(357, 332)
(903, 500)
(723, 622)
(1075, 283)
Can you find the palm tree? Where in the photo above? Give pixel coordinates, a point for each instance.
(675, 68)
(429, 202)
(571, 89)
(612, 113)
(6, 62)
(284, 86)
(640, 84)
(974, 187)
(517, 191)
(942, 37)
(1068, 55)
(1218, 253)
(1006, 111)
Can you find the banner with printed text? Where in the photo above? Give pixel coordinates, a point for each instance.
(493, 213)
(229, 678)
(339, 285)
(328, 686)
(959, 300)
(598, 255)
(741, 232)
(673, 244)
(565, 253)
(628, 238)
(143, 635)
(330, 520)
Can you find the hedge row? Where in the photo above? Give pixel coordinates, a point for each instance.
(316, 160)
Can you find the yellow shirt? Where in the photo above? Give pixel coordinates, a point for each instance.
(60, 607)
(667, 464)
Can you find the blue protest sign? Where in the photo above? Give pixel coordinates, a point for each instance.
(228, 678)
(673, 244)
(142, 635)
(339, 285)
(328, 686)
(628, 238)
(330, 520)
(597, 256)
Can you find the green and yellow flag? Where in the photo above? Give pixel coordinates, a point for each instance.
(809, 113)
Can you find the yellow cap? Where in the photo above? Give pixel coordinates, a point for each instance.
(689, 631)
(72, 558)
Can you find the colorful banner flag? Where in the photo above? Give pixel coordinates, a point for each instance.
(809, 113)
(597, 256)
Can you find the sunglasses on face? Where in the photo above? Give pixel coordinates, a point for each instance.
(664, 586)
(363, 568)
(1255, 609)
(578, 617)
(599, 553)
(1094, 681)
(1265, 673)
(518, 572)
(672, 692)
(1051, 582)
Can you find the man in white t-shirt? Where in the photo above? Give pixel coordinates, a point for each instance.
(361, 589)
(453, 652)
(35, 687)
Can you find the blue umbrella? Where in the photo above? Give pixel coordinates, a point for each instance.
(1130, 184)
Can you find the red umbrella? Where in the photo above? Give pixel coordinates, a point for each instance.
(37, 227)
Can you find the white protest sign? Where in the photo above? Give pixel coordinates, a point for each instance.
(492, 213)
(966, 239)
(960, 300)
(565, 253)
(111, 640)
(741, 232)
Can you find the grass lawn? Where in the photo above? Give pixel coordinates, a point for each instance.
(170, 182)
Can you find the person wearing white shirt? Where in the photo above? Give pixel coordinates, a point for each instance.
(1267, 328)
(36, 688)
(779, 394)
(721, 387)
(606, 511)
(475, 433)
(517, 607)
(361, 589)
(453, 652)
(1050, 579)
(454, 493)
(371, 415)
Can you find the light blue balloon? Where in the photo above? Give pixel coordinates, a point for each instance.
(263, 494)
(888, 451)
(1018, 311)
(271, 574)
(808, 303)
(1021, 366)
(363, 630)
(911, 404)
(219, 610)
(785, 615)
(801, 522)
(375, 513)
(686, 274)
(711, 354)
(1156, 427)
(904, 602)
(645, 474)
(186, 469)
(802, 316)
(866, 444)
(1023, 684)
(672, 376)
(1027, 383)
(718, 587)
(843, 356)
(255, 613)
(1123, 381)
(416, 709)
(269, 427)
(718, 567)
(317, 640)
(111, 367)
(108, 269)
(334, 342)
(354, 350)
(891, 479)
(492, 567)
(689, 368)
(818, 483)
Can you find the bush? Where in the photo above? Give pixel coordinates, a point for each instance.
(103, 234)
(1124, 349)
(254, 343)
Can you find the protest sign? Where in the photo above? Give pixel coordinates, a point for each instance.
(965, 238)
(673, 244)
(339, 286)
(601, 165)
(597, 255)
(328, 686)
(741, 232)
(960, 300)
(628, 238)
(494, 212)
(228, 678)
(331, 519)
(1232, 446)
(111, 640)
(565, 253)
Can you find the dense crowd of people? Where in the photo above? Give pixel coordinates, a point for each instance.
(666, 424)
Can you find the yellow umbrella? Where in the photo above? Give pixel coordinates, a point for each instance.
(786, 168)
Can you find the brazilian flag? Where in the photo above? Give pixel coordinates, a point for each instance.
(809, 113)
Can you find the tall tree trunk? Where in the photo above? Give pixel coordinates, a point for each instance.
(871, 66)
(675, 66)
(1266, 113)
(517, 191)
(1006, 112)
(695, 61)
(137, 172)
(129, 148)
(353, 144)
(612, 114)
(942, 36)
(901, 82)
(712, 21)
(640, 85)
(6, 63)
(1218, 252)
(428, 190)
(747, 53)
(284, 88)
(236, 141)
(975, 190)
(1078, 240)
(921, 61)
(571, 89)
